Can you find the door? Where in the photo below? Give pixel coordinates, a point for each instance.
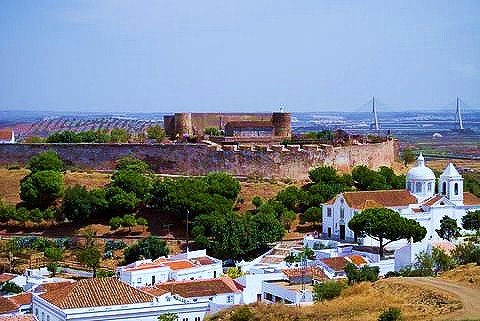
(342, 231)
(153, 279)
(329, 232)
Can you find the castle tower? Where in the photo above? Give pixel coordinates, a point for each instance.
(421, 180)
(450, 184)
(282, 124)
(183, 124)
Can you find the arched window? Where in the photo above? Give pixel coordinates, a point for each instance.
(444, 188)
(409, 186)
(418, 187)
(455, 188)
(429, 187)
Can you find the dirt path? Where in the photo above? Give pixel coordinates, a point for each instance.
(470, 297)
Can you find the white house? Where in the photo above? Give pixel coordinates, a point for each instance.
(113, 300)
(219, 293)
(418, 201)
(186, 266)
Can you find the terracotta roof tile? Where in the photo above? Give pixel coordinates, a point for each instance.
(22, 317)
(432, 200)
(357, 259)
(203, 260)
(371, 204)
(154, 290)
(180, 264)
(5, 277)
(53, 286)
(7, 305)
(470, 199)
(417, 210)
(390, 198)
(314, 272)
(22, 299)
(336, 263)
(96, 292)
(199, 288)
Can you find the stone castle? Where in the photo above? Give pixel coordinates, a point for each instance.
(274, 125)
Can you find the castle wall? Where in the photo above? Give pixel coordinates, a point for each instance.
(199, 159)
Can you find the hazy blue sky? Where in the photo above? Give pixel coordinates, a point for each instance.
(200, 55)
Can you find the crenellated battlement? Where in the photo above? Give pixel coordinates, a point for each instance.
(270, 161)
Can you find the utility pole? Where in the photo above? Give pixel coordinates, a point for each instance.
(187, 235)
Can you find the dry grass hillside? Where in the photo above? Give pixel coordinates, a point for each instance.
(468, 275)
(10, 182)
(363, 302)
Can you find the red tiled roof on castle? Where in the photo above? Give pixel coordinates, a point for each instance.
(90, 293)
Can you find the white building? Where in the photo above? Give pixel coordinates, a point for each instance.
(186, 266)
(113, 300)
(218, 293)
(418, 201)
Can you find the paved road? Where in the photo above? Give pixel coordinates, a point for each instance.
(470, 297)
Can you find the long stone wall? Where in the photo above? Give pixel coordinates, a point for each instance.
(198, 159)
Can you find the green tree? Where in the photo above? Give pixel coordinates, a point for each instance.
(367, 180)
(129, 220)
(142, 221)
(119, 135)
(132, 163)
(313, 215)
(168, 317)
(257, 201)
(115, 222)
(54, 254)
(132, 181)
(471, 221)
(234, 272)
(290, 197)
(287, 218)
(77, 204)
(156, 133)
(407, 156)
(212, 131)
(222, 184)
(423, 264)
(391, 314)
(90, 257)
(10, 287)
(148, 248)
(42, 188)
(442, 261)
(327, 290)
(448, 228)
(45, 161)
(467, 252)
(120, 201)
(383, 224)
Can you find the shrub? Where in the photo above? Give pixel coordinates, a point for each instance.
(391, 314)
(242, 314)
(327, 290)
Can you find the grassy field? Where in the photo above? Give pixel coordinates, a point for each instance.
(364, 302)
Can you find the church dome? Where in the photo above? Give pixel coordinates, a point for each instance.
(420, 172)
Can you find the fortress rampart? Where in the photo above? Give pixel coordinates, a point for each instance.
(273, 161)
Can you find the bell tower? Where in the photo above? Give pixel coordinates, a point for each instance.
(450, 184)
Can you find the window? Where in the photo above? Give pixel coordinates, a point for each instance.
(230, 299)
(197, 318)
(153, 279)
(429, 187)
(139, 280)
(455, 188)
(43, 316)
(185, 319)
(409, 187)
(418, 187)
(268, 296)
(444, 188)
(342, 213)
(48, 318)
(329, 212)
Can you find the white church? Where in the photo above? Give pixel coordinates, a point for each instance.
(418, 201)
